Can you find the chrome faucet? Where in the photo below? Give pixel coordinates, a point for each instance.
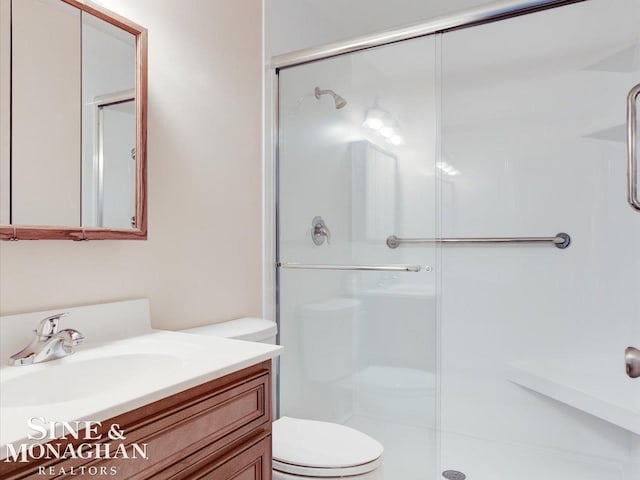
(49, 343)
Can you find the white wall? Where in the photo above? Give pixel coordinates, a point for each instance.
(202, 262)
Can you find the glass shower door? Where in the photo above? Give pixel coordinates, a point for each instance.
(533, 337)
(357, 154)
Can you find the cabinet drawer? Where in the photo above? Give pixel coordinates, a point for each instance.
(253, 462)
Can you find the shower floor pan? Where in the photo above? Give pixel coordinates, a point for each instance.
(410, 454)
(595, 384)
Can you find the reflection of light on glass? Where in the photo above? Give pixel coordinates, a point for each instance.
(383, 124)
(373, 123)
(396, 140)
(447, 169)
(340, 132)
(375, 119)
(387, 132)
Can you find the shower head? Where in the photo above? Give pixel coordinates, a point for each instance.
(339, 101)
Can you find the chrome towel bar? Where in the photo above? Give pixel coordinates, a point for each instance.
(381, 268)
(561, 240)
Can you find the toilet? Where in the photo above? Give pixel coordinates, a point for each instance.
(313, 449)
(307, 449)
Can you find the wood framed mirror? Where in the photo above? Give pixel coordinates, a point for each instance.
(73, 122)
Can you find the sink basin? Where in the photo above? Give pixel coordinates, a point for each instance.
(102, 380)
(71, 379)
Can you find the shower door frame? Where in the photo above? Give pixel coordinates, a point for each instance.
(271, 215)
(468, 18)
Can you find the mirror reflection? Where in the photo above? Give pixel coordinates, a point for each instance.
(73, 119)
(108, 124)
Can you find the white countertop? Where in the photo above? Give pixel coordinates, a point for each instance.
(100, 381)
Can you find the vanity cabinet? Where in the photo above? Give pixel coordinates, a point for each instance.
(218, 430)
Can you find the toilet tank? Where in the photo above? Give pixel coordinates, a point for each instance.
(251, 329)
(327, 337)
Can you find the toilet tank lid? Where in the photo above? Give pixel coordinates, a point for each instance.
(248, 328)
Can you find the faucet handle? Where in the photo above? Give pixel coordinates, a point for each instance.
(49, 325)
(74, 339)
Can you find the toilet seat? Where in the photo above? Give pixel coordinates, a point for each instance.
(310, 448)
(310, 472)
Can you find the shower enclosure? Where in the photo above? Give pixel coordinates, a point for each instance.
(458, 273)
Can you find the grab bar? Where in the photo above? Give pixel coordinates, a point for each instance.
(632, 166)
(561, 240)
(383, 268)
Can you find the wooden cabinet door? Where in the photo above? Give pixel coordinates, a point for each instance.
(252, 463)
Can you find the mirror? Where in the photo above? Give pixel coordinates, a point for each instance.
(72, 126)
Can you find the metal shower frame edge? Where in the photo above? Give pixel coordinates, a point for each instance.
(467, 18)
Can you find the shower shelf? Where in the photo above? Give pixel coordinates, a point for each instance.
(595, 384)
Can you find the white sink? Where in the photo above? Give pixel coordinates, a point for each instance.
(75, 377)
(101, 381)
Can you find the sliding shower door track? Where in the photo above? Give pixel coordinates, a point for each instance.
(467, 18)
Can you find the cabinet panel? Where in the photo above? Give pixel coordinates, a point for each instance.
(184, 432)
(252, 463)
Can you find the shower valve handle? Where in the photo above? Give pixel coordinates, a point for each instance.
(632, 360)
(320, 232)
